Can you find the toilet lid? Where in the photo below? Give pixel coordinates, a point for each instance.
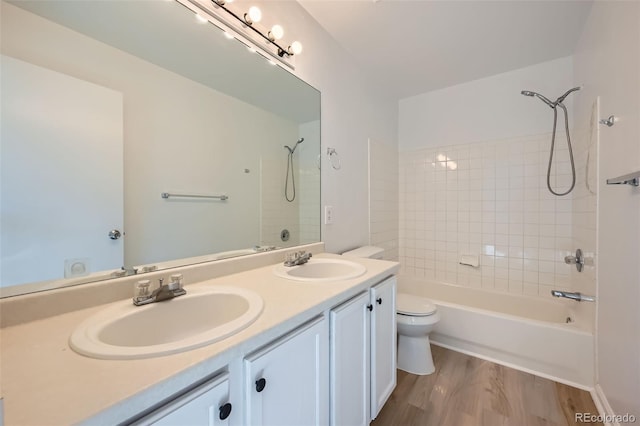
(414, 305)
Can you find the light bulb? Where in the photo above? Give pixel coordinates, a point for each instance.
(276, 33)
(254, 15)
(295, 48)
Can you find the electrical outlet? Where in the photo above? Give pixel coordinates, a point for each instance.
(328, 215)
(79, 267)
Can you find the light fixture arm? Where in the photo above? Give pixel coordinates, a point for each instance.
(247, 23)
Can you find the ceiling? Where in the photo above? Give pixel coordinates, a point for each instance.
(410, 47)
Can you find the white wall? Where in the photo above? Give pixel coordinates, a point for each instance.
(309, 182)
(607, 63)
(352, 112)
(491, 108)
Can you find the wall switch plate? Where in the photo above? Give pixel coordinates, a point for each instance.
(328, 215)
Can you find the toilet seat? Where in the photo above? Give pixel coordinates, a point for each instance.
(414, 305)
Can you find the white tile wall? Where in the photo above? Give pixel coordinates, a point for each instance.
(487, 199)
(302, 216)
(276, 212)
(383, 198)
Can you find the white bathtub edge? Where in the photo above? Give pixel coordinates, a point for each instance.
(434, 339)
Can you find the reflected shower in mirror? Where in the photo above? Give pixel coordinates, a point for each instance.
(108, 105)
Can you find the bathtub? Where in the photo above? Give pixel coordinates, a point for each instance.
(522, 332)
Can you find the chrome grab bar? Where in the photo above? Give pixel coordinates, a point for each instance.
(577, 296)
(168, 194)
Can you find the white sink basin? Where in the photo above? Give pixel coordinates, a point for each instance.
(201, 317)
(319, 269)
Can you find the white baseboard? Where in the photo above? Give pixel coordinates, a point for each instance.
(603, 406)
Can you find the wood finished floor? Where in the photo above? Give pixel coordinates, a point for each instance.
(468, 391)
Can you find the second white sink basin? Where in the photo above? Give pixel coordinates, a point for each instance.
(201, 317)
(321, 269)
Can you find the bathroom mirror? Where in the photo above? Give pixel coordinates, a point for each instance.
(107, 105)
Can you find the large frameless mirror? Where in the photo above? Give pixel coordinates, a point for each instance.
(136, 137)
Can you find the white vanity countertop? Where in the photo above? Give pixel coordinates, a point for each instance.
(44, 382)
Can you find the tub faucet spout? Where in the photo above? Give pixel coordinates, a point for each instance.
(577, 296)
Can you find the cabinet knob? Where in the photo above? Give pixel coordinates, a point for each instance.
(260, 384)
(370, 308)
(225, 411)
(379, 300)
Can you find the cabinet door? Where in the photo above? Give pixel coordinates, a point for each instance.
(383, 343)
(206, 405)
(286, 383)
(349, 383)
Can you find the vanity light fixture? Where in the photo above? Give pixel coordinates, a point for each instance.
(255, 15)
(276, 33)
(295, 48)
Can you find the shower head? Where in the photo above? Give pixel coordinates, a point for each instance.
(561, 98)
(539, 96)
(292, 150)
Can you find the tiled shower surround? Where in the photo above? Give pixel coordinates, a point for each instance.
(487, 199)
(383, 198)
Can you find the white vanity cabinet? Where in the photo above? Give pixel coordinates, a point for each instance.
(363, 355)
(207, 404)
(384, 348)
(286, 382)
(338, 368)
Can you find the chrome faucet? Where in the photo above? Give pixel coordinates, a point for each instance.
(578, 297)
(297, 258)
(163, 292)
(123, 272)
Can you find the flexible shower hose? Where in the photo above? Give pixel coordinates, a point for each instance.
(553, 141)
(293, 180)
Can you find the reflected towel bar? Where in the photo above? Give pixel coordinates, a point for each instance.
(629, 179)
(220, 197)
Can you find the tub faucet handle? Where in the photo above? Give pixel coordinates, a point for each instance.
(577, 260)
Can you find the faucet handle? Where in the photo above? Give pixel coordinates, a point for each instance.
(176, 282)
(141, 289)
(577, 260)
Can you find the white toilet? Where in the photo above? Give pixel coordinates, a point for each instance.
(415, 317)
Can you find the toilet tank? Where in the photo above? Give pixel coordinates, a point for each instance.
(370, 252)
